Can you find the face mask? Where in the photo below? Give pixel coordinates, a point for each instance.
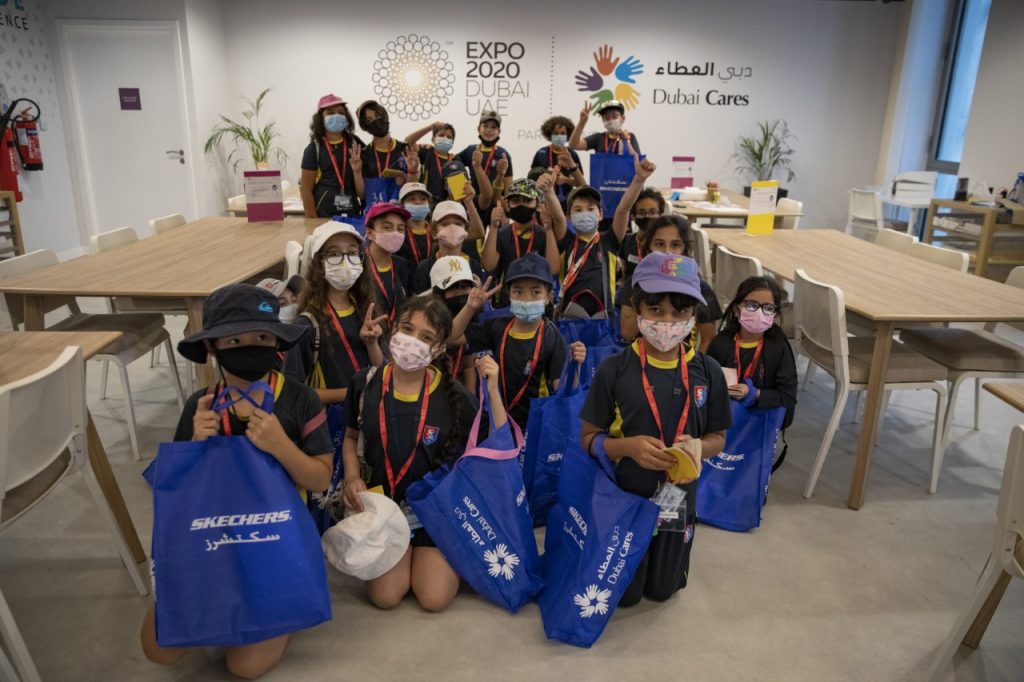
(343, 275)
(665, 335)
(409, 353)
(522, 214)
(335, 123)
(248, 363)
(444, 144)
(643, 223)
(559, 140)
(489, 143)
(289, 312)
(527, 311)
(452, 236)
(389, 241)
(613, 125)
(418, 212)
(756, 322)
(585, 222)
(455, 304)
(378, 127)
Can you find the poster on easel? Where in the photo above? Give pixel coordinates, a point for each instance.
(264, 199)
(761, 213)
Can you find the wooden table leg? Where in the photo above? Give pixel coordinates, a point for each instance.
(988, 228)
(108, 484)
(34, 313)
(872, 409)
(194, 308)
(974, 634)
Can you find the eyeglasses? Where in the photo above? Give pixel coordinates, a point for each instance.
(768, 308)
(648, 214)
(335, 258)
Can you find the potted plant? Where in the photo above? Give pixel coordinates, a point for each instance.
(761, 155)
(249, 134)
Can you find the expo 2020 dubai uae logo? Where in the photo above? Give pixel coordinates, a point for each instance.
(413, 77)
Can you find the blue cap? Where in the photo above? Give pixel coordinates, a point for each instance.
(531, 266)
(667, 273)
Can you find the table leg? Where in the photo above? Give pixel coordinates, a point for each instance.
(108, 484)
(34, 313)
(194, 307)
(872, 410)
(974, 634)
(988, 229)
(929, 219)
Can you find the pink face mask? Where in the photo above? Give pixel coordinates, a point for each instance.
(409, 353)
(389, 241)
(756, 322)
(452, 236)
(665, 335)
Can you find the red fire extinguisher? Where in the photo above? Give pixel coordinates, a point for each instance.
(9, 164)
(19, 148)
(27, 132)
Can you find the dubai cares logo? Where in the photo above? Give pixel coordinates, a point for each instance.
(413, 77)
(611, 78)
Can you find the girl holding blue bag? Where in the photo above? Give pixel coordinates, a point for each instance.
(242, 331)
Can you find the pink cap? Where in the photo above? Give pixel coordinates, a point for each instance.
(383, 208)
(329, 101)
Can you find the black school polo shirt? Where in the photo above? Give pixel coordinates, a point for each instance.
(391, 283)
(604, 143)
(432, 164)
(602, 262)
(375, 161)
(775, 374)
(546, 158)
(316, 158)
(333, 368)
(466, 157)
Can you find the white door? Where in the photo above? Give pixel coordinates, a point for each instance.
(128, 111)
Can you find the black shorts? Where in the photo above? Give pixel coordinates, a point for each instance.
(420, 538)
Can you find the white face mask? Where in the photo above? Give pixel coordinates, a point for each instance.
(452, 236)
(343, 275)
(289, 312)
(613, 125)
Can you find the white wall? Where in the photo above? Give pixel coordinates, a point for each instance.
(993, 148)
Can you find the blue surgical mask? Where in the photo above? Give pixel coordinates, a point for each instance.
(585, 222)
(444, 144)
(335, 123)
(418, 212)
(528, 311)
(559, 140)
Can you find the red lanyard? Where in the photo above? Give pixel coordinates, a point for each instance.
(572, 270)
(515, 240)
(615, 147)
(225, 421)
(749, 373)
(551, 161)
(415, 250)
(490, 157)
(684, 373)
(333, 314)
(380, 285)
(457, 363)
(528, 371)
(334, 160)
(387, 159)
(437, 160)
(392, 481)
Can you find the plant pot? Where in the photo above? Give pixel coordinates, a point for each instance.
(783, 192)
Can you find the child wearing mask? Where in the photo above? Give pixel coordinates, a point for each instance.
(332, 167)
(385, 230)
(753, 343)
(436, 161)
(452, 223)
(452, 281)
(385, 156)
(491, 164)
(418, 244)
(614, 138)
(654, 395)
(557, 130)
(242, 331)
(405, 420)
(529, 348)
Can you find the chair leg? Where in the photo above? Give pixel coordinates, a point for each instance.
(134, 570)
(826, 441)
(15, 644)
(947, 422)
(938, 449)
(174, 372)
(857, 405)
(130, 407)
(103, 379)
(809, 374)
(977, 403)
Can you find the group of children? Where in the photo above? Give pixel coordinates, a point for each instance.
(395, 325)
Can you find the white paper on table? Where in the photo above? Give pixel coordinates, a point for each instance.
(263, 190)
(762, 200)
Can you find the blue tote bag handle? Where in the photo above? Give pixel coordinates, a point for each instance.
(515, 434)
(224, 400)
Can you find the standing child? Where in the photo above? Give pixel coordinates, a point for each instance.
(490, 163)
(452, 280)
(332, 167)
(385, 156)
(385, 230)
(404, 421)
(654, 395)
(752, 343)
(242, 331)
(615, 139)
(557, 131)
(452, 223)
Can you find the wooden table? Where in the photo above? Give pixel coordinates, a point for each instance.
(24, 354)
(187, 262)
(740, 203)
(882, 285)
(985, 237)
(292, 204)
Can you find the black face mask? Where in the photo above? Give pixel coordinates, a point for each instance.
(248, 363)
(378, 127)
(522, 214)
(644, 223)
(489, 143)
(456, 304)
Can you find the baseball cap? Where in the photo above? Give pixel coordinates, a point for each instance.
(610, 104)
(667, 273)
(274, 286)
(383, 208)
(490, 115)
(524, 187)
(447, 208)
(236, 309)
(329, 100)
(583, 191)
(369, 543)
(410, 187)
(449, 270)
(324, 232)
(531, 266)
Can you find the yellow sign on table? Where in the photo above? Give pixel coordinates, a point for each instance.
(761, 214)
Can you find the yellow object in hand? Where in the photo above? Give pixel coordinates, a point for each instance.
(687, 466)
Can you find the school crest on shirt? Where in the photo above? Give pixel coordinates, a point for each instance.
(700, 395)
(430, 435)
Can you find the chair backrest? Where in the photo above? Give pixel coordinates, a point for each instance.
(105, 241)
(1010, 508)
(168, 222)
(731, 269)
(41, 416)
(1016, 277)
(19, 265)
(292, 259)
(236, 203)
(916, 182)
(821, 320)
(896, 241)
(865, 211)
(947, 258)
(701, 251)
(285, 185)
(306, 258)
(787, 204)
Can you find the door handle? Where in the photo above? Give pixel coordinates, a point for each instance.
(179, 152)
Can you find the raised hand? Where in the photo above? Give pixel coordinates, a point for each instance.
(412, 159)
(547, 181)
(372, 328)
(544, 213)
(565, 159)
(355, 158)
(487, 368)
(498, 218)
(502, 167)
(480, 295)
(601, 97)
(629, 68)
(584, 113)
(266, 433)
(468, 194)
(603, 58)
(643, 169)
(478, 157)
(205, 422)
(578, 351)
(589, 82)
(627, 94)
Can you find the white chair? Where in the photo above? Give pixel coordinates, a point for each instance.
(787, 204)
(947, 258)
(285, 186)
(865, 218)
(237, 205)
(306, 259)
(43, 422)
(894, 241)
(730, 270)
(1005, 561)
(821, 322)
(141, 332)
(702, 252)
(168, 222)
(293, 252)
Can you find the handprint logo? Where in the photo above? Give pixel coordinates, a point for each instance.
(611, 78)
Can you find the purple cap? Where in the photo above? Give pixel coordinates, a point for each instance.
(667, 273)
(383, 208)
